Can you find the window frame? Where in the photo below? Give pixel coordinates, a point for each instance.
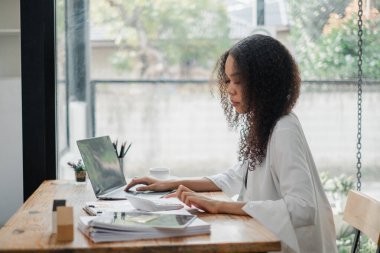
(38, 93)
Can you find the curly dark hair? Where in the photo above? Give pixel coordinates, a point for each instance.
(271, 86)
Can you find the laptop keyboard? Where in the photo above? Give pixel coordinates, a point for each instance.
(121, 194)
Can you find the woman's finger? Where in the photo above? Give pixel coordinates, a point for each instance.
(146, 188)
(201, 202)
(133, 182)
(187, 195)
(141, 180)
(180, 192)
(184, 198)
(196, 202)
(176, 194)
(158, 186)
(171, 195)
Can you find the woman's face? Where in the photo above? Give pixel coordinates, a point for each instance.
(234, 82)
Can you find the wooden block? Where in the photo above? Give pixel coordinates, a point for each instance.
(56, 203)
(65, 223)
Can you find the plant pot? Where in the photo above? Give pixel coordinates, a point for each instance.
(80, 176)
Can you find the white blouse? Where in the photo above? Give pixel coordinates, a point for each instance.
(285, 193)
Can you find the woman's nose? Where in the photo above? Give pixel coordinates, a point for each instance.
(230, 90)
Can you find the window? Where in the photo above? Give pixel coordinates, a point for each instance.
(140, 71)
(147, 82)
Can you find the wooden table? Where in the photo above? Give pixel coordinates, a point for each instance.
(29, 229)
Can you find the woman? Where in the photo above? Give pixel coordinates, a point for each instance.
(276, 178)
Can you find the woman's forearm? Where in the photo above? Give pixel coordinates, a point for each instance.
(185, 193)
(196, 184)
(231, 207)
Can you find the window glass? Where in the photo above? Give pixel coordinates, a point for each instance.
(141, 71)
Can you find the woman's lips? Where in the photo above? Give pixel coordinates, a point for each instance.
(234, 103)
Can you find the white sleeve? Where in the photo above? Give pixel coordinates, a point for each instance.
(291, 165)
(230, 182)
(296, 208)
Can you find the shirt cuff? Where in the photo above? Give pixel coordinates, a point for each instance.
(223, 185)
(274, 216)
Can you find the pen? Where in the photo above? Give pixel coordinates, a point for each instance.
(127, 149)
(122, 150)
(115, 146)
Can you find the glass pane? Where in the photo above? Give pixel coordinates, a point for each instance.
(145, 73)
(62, 99)
(149, 83)
(178, 125)
(325, 35)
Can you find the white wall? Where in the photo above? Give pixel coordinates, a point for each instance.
(11, 171)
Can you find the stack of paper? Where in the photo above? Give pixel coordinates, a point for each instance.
(96, 208)
(127, 226)
(99, 207)
(156, 205)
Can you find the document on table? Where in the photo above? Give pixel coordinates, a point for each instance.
(133, 203)
(100, 230)
(95, 208)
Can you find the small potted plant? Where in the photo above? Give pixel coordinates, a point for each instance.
(80, 171)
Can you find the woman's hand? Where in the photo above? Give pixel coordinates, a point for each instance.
(190, 198)
(152, 184)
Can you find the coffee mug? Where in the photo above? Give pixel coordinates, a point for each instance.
(159, 172)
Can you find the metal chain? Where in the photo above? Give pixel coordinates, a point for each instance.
(360, 82)
(359, 134)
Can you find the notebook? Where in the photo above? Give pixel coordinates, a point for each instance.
(99, 231)
(103, 168)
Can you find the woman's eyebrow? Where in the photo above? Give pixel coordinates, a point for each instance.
(235, 74)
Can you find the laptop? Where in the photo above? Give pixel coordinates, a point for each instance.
(106, 175)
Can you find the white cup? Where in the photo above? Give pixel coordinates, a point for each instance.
(159, 172)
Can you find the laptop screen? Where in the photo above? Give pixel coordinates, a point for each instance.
(102, 164)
